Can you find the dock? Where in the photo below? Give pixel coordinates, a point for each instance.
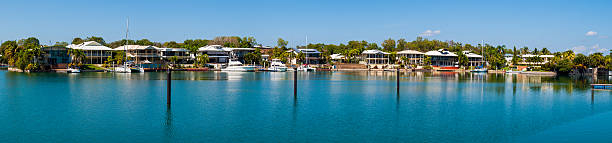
(601, 86)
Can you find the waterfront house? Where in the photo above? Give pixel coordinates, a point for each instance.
(374, 57)
(544, 59)
(141, 54)
(216, 54)
(238, 53)
(182, 55)
(95, 53)
(311, 56)
(338, 58)
(474, 60)
(56, 57)
(413, 57)
(442, 58)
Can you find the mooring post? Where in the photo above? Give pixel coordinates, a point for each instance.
(169, 84)
(398, 81)
(295, 83)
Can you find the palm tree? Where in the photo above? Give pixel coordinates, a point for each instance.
(78, 56)
(201, 60)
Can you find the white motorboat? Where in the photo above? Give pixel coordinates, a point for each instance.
(73, 70)
(307, 69)
(238, 67)
(123, 69)
(277, 66)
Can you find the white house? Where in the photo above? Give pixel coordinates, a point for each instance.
(216, 53)
(95, 53)
(442, 58)
(413, 57)
(375, 57)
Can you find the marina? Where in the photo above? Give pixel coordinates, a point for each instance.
(330, 106)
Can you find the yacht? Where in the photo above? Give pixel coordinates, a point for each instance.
(277, 66)
(237, 66)
(480, 69)
(123, 69)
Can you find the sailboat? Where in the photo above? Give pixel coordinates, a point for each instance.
(127, 67)
(481, 68)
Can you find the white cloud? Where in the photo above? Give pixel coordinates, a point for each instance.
(589, 50)
(430, 33)
(591, 33)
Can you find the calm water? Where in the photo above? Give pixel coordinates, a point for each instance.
(330, 107)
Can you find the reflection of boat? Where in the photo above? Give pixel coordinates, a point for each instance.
(237, 66)
(479, 69)
(73, 70)
(277, 66)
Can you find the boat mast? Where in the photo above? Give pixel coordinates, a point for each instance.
(127, 30)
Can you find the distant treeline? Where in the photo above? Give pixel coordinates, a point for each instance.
(494, 54)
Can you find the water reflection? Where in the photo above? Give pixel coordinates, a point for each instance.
(168, 127)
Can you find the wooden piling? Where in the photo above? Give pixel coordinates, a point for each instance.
(169, 87)
(295, 83)
(398, 81)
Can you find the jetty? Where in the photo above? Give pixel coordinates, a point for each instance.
(601, 86)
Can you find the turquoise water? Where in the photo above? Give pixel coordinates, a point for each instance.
(330, 107)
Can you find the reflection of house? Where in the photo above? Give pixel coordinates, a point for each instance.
(543, 59)
(413, 57)
(56, 56)
(216, 53)
(375, 57)
(95, 53)
(141, 54)
(474, 59)
(311, 56)
(442, 58)
(181, 54)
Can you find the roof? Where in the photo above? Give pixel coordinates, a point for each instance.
(263, 47)
(337, 56)
(239, 49)
(89, 45)
(541, 56)
(441, 52)
(374, 52)
(215, 48)
(173, 49)
(410, 52)
(469, 54)
(135, 47)
(308, 51)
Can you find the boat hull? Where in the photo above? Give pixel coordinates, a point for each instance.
(239, 68)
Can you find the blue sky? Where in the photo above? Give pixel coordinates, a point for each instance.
(557, 25)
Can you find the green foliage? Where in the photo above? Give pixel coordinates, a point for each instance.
(77, 41)
(596, 60)
(462, 59)
(388, 45)
(282, 43)
(63, 44)
(201, 60)
(144, 42)
(171, 44)
(253, 57)
(581, 61)
(97, 39)
(78, 56)
(29, 42)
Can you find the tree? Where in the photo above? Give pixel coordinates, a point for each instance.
(388, 45)
(545, 51)
(77, 41)
(171, 44)
(63, 44)
(9, 52)
(515, 58)
(536, 52)
(596, 60)
(29, 42)
(282, 43)
(462, 59)
(78, 56)
(401, 44)
(581, 61)
(427, 60)
(201, 60)
(97, 39)
(144, 42)
(524, 50)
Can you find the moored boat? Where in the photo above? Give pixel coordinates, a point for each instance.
(277, 66)
(238, 67)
